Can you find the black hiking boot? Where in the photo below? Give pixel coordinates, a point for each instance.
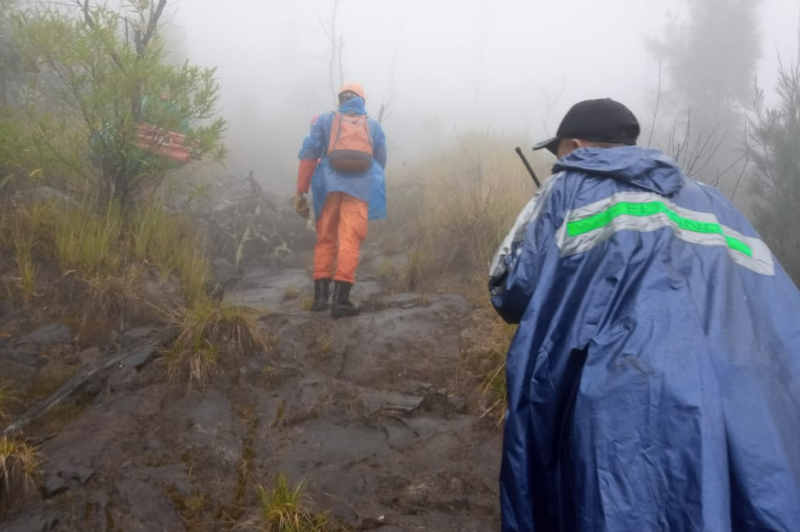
(322, 292)
(342, 307)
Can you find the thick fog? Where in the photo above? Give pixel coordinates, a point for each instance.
(441, 68)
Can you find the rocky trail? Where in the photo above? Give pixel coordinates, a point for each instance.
(376, 415)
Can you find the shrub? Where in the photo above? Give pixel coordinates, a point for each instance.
(93, 82)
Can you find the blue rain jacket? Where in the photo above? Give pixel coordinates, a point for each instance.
(654, 379)
(369, 186)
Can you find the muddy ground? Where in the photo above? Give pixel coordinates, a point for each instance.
(378, 415)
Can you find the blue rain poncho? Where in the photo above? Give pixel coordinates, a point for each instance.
(369, 186)
(654, 379)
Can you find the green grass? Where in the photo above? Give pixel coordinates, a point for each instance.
(25, 228)
(453, 208)
(283, 509)
(109, 254)
(27, 272)
(103, 246)
(168, 242)
(87, 242)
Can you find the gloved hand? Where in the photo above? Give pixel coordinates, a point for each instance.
(301, 206)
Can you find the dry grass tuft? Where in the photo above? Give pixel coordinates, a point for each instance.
(25, 227)
(307, 303)
(19, 467)
(451, 210)
(283, 509)
(291, 292)
(487, 338)
(209, 331)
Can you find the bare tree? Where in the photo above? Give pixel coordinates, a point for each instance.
(695, 150)
(336, 60)
(774, 134)
(386, 104)
(708, 61)
(657, 106)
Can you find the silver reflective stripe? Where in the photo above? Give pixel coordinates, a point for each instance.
(576, 236)
(530, 212)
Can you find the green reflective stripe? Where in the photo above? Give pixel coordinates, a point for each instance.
(738, 245)
(651, 208)
(588, 226)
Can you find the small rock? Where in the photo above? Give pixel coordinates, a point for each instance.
(142, 355)
(94, 385)
(136, 334)
(371, 523)
(405, 300)
(82, 474)
(54, 484)
(55, 333)
(58, 480)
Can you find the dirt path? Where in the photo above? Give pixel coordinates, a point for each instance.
(374, 414)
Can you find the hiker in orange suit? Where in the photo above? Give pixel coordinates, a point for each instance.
(342, 161)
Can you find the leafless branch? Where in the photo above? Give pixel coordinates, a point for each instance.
(658, 103)
(386, 104)
(384, 112)
(87, 17)
(332, 64)
(341, 61)
(152, 23)
(739, 178)
(694, 151)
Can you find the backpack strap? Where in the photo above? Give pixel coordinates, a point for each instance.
(330, 140)
(337, 123)
(369, 132)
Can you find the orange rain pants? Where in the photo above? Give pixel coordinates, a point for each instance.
(341, 228)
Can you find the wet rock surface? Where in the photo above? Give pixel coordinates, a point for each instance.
(372, 413)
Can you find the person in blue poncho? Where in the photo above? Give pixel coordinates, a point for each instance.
(654, 378)
(343, 161)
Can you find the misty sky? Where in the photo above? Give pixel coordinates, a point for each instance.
(511, 67)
